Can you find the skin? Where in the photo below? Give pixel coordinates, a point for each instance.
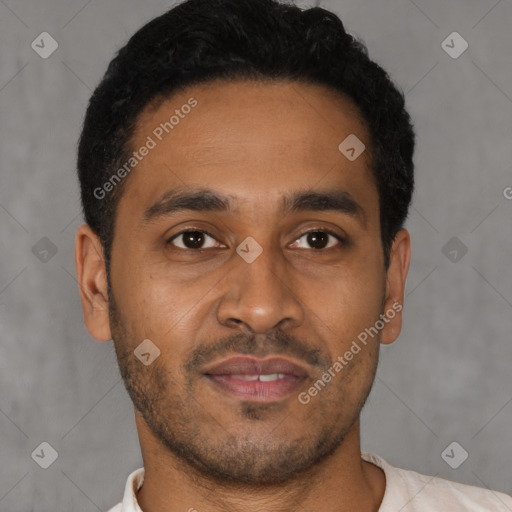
(202, 448)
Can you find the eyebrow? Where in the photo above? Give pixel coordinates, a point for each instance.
(207, 200)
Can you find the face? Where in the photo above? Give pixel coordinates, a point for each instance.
(247, 250)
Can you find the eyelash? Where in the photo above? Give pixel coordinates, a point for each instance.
(340, 239)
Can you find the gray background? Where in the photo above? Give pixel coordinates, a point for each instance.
(446, 379)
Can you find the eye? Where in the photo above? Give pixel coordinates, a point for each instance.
(319, 239)
(192, 239)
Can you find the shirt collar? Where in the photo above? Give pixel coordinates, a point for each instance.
(133, 484)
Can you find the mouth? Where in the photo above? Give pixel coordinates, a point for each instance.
(257, 380)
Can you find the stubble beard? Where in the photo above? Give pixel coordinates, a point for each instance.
(172, 413)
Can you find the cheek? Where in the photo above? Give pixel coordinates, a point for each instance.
(350, 301)
(139, 297)
(159, 307)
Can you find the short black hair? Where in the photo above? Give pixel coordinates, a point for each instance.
(200, 41)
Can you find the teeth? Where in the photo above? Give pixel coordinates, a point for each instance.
(262, 378)
(270, 377)
(246, 377)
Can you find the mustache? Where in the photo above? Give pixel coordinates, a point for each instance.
(277, 343)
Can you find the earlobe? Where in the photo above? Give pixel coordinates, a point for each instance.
(92, 280)
(399, 260)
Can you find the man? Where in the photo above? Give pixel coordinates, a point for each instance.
(246, 171)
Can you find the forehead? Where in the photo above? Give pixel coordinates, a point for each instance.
(248, 138)
(252, 112)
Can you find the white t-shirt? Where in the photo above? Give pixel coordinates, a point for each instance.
(406, 491)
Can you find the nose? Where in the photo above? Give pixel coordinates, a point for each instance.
(260, 296)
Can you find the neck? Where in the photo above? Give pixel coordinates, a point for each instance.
(342, 482)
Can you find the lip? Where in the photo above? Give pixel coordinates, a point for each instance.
(230, 377)
(248, 365)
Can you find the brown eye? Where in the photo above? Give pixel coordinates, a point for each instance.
(320, 239)
(191, 240)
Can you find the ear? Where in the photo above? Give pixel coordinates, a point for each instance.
(399, 259)
(92, 280)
